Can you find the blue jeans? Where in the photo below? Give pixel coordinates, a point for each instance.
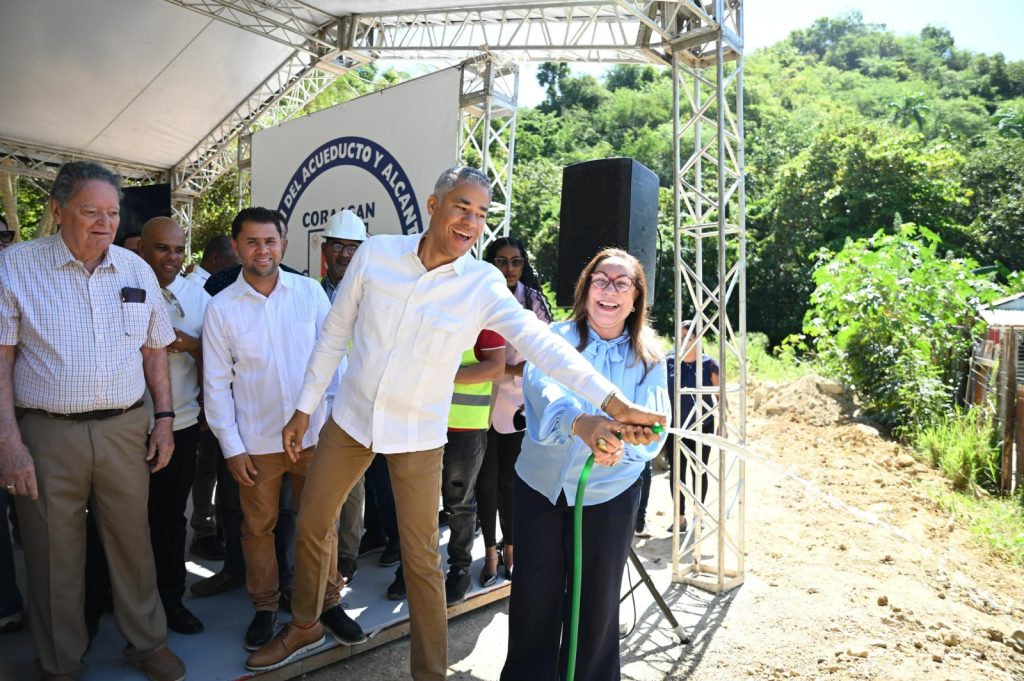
(462, 457)
(10, 597)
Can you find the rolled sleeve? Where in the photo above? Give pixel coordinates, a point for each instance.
(10, 316)
(160, 332)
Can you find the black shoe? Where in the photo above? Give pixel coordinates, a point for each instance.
(180, 619)
(369, 545)
(392, 553)
(284, 601)
(456, 585)
(261, 629)
(442, 518)
(16, 620)
(489, 578)
(209, 547)
(217, 583)
(348, 568)
(345, 629)
(396, 590)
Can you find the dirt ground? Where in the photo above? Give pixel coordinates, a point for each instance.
(878, 583)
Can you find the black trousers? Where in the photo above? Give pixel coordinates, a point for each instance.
(379, 516)
(689, 475)
(495, 486)
(168, 496)
(540, 606)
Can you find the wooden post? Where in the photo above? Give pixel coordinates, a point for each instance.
(1019, 437)
(1007, 406)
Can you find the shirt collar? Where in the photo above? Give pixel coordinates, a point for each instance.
(412, 250)
(245, 288)
(62, 255)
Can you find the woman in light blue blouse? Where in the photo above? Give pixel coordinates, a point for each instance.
(609, 327)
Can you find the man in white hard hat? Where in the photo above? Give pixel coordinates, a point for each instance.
(344, 232)
(342, 236)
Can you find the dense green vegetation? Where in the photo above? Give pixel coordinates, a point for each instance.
(847, 126)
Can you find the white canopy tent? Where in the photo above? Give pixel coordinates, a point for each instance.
(163, 90)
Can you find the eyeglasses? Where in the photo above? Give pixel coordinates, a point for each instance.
(509, 262)
(338, 247)
(620, 284)
(173, 300)
(6, 236)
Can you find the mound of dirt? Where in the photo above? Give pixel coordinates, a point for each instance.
(812, 400)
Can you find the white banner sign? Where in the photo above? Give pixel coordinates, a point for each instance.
(377, 155)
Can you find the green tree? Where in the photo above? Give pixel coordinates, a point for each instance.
(893, 317)
(910, 109)
(852, 180)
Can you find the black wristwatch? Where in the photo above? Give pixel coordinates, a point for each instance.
(163, 415)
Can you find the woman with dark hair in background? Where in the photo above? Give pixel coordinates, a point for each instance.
(494, 484)
(609, 328)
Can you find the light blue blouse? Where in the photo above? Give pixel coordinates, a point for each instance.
(552, 458)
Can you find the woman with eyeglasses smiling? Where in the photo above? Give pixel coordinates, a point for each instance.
(609, 327)
(494, 484)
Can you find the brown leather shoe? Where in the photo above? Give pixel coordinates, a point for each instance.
(160, 664)
(291, 642)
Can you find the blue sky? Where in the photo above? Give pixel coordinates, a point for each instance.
(991, 26)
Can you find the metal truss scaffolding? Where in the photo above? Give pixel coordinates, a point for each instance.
(487, 133)
(700, 40)
(707, 72)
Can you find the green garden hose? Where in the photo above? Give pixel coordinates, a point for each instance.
(577, 558)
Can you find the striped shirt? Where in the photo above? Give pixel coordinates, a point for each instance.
(78, 345)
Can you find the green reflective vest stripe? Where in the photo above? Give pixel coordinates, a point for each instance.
(471, 402)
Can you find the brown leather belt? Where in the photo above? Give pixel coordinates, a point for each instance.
(96, 415)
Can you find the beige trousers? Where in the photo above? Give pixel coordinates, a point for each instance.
(76, 460)
(338, 464)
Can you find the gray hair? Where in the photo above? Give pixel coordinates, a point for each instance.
(73, 175)
(460, 173)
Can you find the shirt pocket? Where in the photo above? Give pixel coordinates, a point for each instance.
(380, 313)
(135, 318)
(437, 335)
(248, 351)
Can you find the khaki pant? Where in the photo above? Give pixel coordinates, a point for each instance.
(260, 507)
(339, 463)
(73, 460)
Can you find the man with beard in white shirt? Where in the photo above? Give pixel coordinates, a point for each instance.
(257, 338)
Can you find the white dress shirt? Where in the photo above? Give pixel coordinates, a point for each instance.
(198, 275)
(185, 302)
(78, 334)
(255, 349)
(408, 328)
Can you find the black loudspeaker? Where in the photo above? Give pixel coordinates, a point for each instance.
(608, 202)
(139, 204)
